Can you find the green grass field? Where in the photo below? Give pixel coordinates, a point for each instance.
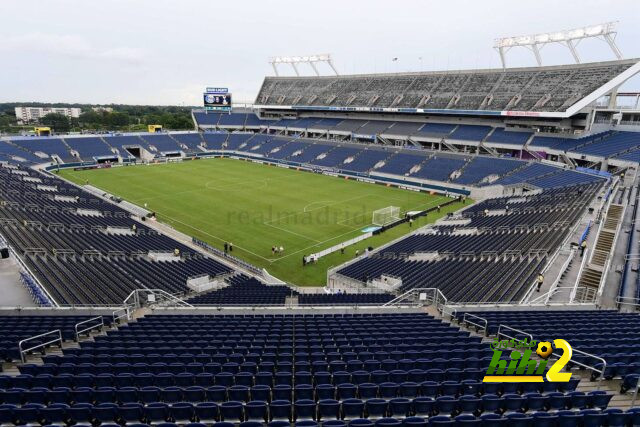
(257, 206)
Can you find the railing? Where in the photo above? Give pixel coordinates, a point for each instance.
(339, 281)
(553, 289)
(546, 297)
(501, 327)
(121, 313)
(589, 367)
(482, 325)
(584, 294)
(609, 260)
(632, 301)
(243, 264)
(574, 350)
(448, 310)
(151, 297)
(98, 322)
(24, 351)
(421, 296)
(583, 264)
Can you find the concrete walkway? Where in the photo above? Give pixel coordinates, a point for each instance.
(12, 292)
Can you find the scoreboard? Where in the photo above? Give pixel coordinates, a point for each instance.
(217, 99)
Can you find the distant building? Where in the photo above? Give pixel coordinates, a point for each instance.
(33, 114)
(102, 109)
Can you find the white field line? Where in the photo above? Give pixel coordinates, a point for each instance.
(321, 207)
(434, 203)
(327, 202)
(291, 232)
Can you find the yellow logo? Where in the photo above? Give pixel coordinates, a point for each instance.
(544, 349)
(521, 368)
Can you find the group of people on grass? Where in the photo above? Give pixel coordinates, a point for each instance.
(310, 259)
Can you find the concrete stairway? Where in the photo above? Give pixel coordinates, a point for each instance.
(592, 274)
(11, 368)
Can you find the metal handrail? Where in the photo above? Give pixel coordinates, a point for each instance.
(501, 327)
(437, 297)
(547, 295)
(117, 317)
(134, 297)
(453, 311)
(627, 301)
(24, 351)
(477, 325)
(563, 269)
(591, 368)
(609, 260)
(583, 264)
(90, 328)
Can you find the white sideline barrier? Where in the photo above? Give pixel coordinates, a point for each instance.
(339, 246)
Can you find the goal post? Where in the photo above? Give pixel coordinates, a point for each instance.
(386, 215)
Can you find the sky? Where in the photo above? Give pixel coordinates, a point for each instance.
(159, 52)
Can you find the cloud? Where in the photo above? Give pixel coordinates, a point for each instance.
(71, 46)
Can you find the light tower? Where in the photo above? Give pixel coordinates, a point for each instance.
(568, 38)
(294, 60)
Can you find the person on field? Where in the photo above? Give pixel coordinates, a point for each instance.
(438, 208)
(281, 249)
(230, 247)
(304, 260)
(273, 250)
(226, 247)
(410, 222)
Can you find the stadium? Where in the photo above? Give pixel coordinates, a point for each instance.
(456, 247)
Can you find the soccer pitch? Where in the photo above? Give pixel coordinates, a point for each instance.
(256, 206)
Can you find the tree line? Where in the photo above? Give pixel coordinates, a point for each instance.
(121, 118)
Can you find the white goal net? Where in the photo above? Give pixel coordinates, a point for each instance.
(386, 215)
